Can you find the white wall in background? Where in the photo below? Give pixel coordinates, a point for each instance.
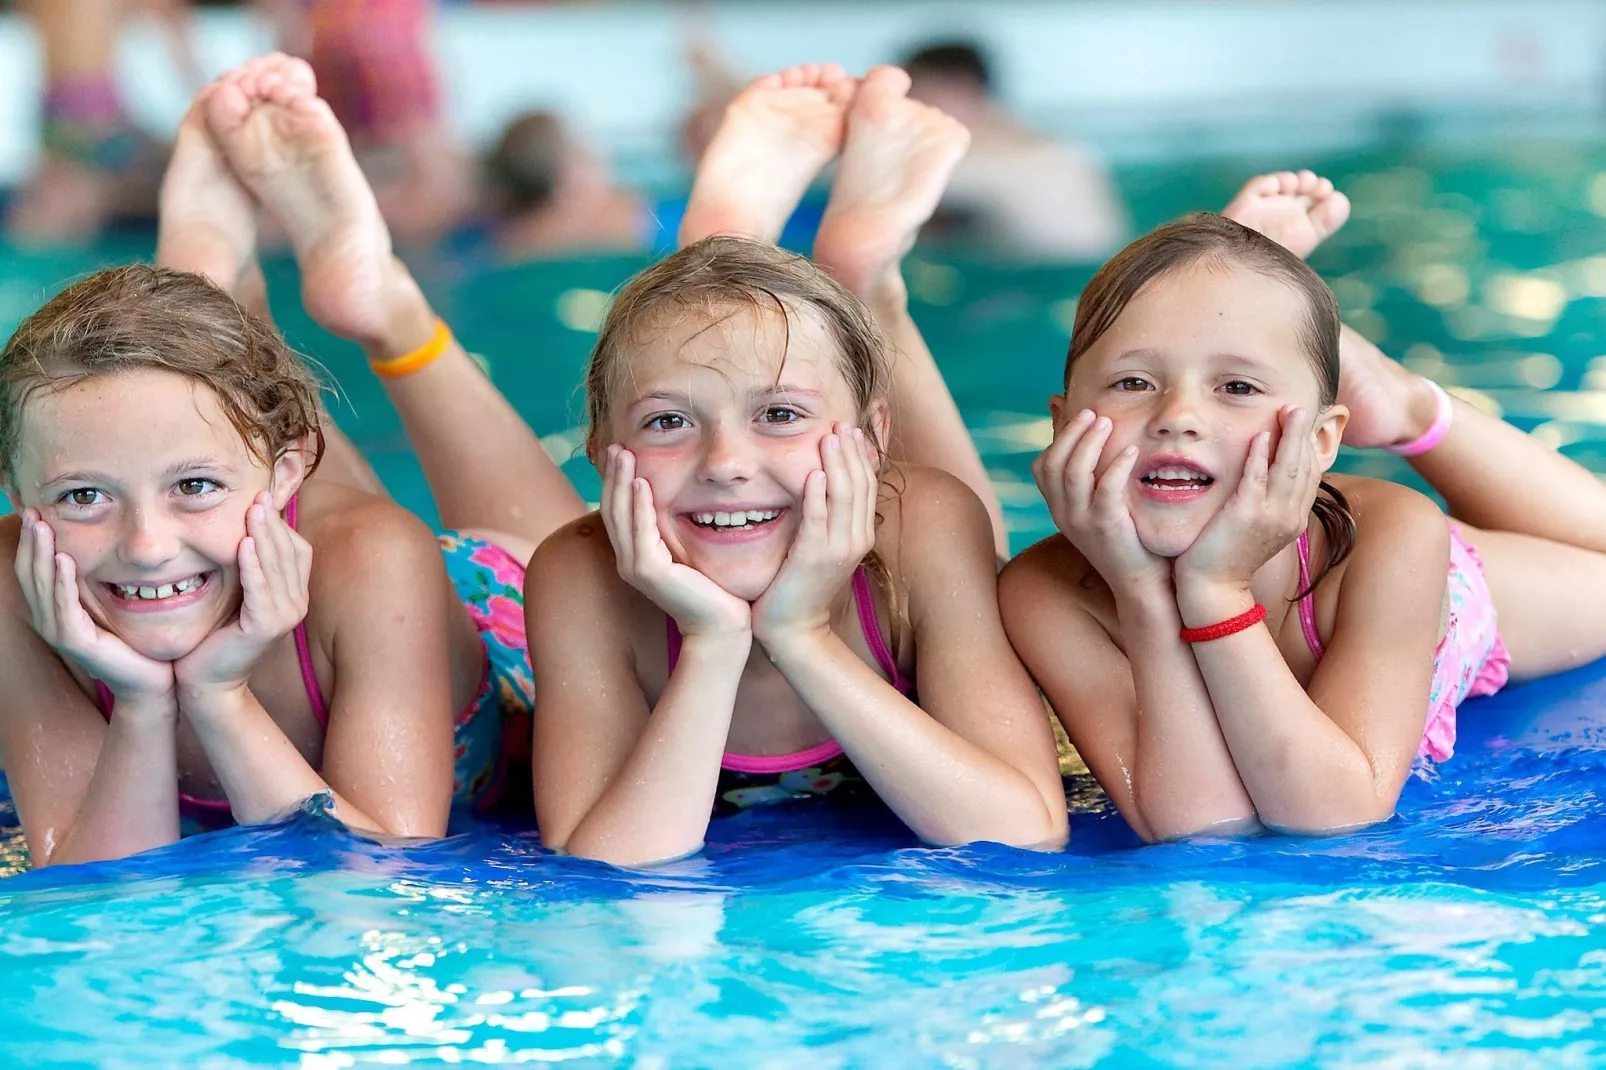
(1133, 77)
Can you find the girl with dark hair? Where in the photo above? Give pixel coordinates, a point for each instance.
(1231, 638)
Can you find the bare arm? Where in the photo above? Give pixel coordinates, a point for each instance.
(1141, 720)
(1336, 757)
(388, 748)
(615, 780)
(927, 428)
(977, 763)
(85, 790)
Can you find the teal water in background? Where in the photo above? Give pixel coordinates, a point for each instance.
(1467, 932)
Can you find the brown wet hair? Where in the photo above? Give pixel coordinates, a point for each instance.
(1207, 238)
(145, 317)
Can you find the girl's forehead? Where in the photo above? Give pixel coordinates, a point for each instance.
(743, 346)
(1210, 310)
(126, 418)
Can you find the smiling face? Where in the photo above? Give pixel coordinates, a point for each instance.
(146, 484)
(1197, 364)
(724, 414)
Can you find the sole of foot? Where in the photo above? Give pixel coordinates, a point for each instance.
(896, 162)
(1297, 210)
(774, 139)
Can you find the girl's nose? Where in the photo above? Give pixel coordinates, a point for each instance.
(149, 540)
(727, 456)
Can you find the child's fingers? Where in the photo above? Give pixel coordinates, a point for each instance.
(644, 534)
(618, 497)
(838, 490)
(815, 528)
(1109, 495)
(1048, 470)
(1080, 469)
(71, 624)
(869, 485)
(45, 577)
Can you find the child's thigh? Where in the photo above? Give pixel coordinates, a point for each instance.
(1550, 598)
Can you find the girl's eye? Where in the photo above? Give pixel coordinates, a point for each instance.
(1132, 382)
(190, 488)
(669, 421)
(82, 497)
(780, 414)
(1240, 388)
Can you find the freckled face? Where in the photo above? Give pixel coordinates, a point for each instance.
(146, 484)
(1196, 365)
(725, 421)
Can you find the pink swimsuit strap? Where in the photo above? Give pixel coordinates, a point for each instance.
(309, 680)
(1307, 604)
(864, 602)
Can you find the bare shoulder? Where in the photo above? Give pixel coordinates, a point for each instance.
(356, 535)
(1049, 575)
(930, 519)
(575, 570)
(1392, 519)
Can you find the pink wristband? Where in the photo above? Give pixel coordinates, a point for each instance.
(1435, 432)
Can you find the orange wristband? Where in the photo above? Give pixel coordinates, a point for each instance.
(408, 363)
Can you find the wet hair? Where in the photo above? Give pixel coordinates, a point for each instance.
(527, 160)
(1207, 238)
(719, 277)
(951, 59)
(144, 317)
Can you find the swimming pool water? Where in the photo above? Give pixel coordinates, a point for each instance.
(1470, 931)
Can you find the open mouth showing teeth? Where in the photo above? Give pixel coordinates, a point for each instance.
(742, 521)
(1172, 477)
(136, 592)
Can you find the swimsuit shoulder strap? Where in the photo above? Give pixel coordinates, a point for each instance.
(1307, 603)
(864, 602)
(864, 599)
(309, 679)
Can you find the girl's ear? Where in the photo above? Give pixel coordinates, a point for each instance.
(290, 470)
(1056, 411)
(879, 427)
(1328, 432)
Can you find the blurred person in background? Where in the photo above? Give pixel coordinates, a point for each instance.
(552, 195)
(1019, 191)
(374, 67)
(96, 165)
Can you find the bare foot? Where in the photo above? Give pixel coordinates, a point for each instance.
(289, 150)
(1298, 212)
(895, 164)
(206, 220)
(1387, 403)
(773, 140)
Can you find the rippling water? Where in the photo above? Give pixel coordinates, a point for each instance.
(1470, 931)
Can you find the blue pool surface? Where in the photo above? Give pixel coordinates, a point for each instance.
(1470, 931)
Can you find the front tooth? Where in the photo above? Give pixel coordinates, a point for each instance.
(165, 591)
(722, 518)
(147, 592)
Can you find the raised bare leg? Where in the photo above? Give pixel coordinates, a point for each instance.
(207, 224)
(1298, 211)
(896, 161)
(1490, 474)
(773, 140)
(485, 467)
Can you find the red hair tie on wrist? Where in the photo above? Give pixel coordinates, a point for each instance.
(1247, 619)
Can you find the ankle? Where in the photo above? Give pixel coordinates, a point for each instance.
(408, 322)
